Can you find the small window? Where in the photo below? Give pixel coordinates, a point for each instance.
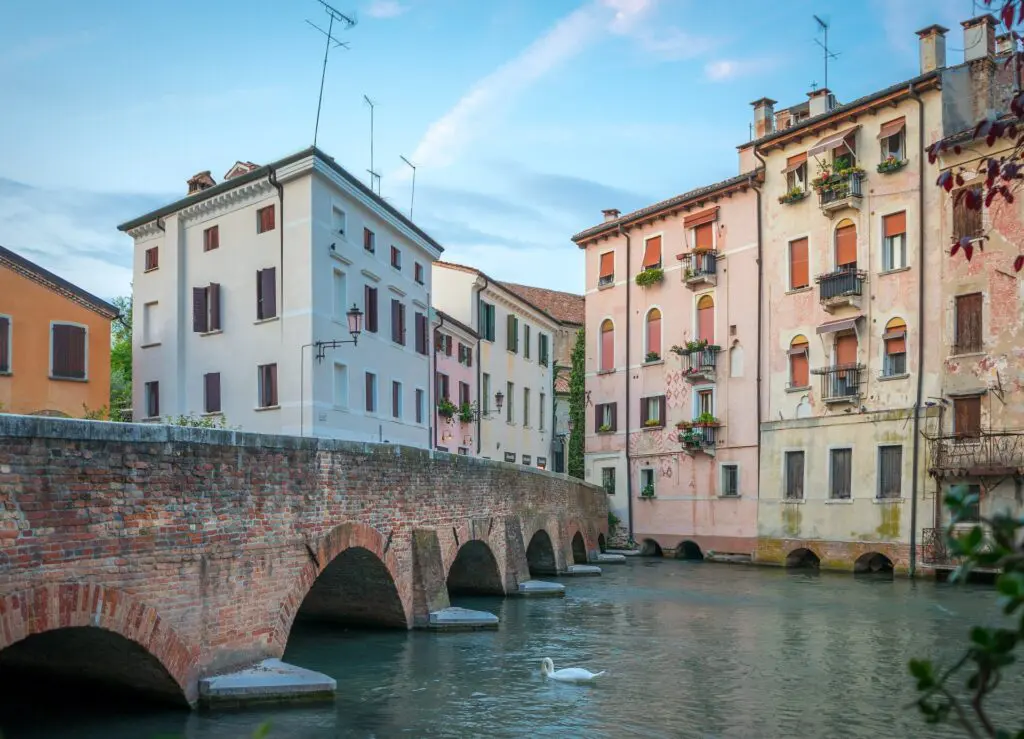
(796, 174)
(68, 346)
(267, 381)
(369, 240)
(370, 309)
(371, 393)
(5, 345)
(526, 407)
(541, 413)
(846, 246)
(799, 372)
(447, 343)
(510, 395)
(485, 392)
(340, 289)
(396, 399)
(340, 386)
(152, 399)
(527, 460)
(396, 257)
(542, 463)
(967, 221)
(967, 416)
(604, 417)
(647, 482)
(652, 411)
(265, 219)
(487, 319)
(526, 341)
(799, 266)
(794, 473)
(706, 319)
(150, 323)
(421, 402)
(890, 471)
(653, 335)
(704, 403)
(211, 238)
(730, 480)
(543, 350)
(266, 293)
(608, 480)
(510, 456)
(417, 271)
(704, 236)
(464, 451)
(512, 333)
(339, 221)
(652, 253)
(892, 137)
(840, 473)
(606, 273)
(398, 322)
(211, 392)
(607, 348)
(895, 339)
(894, 241)
(968, 324)
(421, 332)
(464, 399)
(152, 258)
(443, 386)
(206, 308)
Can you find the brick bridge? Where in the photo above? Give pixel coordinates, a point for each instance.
(193, 551)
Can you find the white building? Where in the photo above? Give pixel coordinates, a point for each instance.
(516, 357)
(236, 283)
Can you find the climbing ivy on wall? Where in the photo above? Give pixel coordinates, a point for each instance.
(577, 411)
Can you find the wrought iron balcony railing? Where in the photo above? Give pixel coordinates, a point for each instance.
(699, 436)
(700, 363)
(841, 283)
(985, 452)
(840, 383)
(835, 193)
(699, 266)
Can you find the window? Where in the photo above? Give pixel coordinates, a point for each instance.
(604, 417)
(396, 399)
(706, 319)
(211, 238)
(67, 352)
(485, 391)
(417, 272)
(652, 253)
(267, 381)
(799, 266)
(799, 372)
(150, 327)
(510, 395)
(652, 411)
(647, 482)
(370, 309)
(890, 471)
(967, 221)
(152, 392)
(704, 403)
(486, 321)
(340, 386)
(967, 416)
(541, 414)
(730, 480)
(704, 236)
(606, 270)
(608, 480)
(973, 513)
(421, 333)
(796, 173)
(369, 240)
(526, 407)
(465, 354)
(794, 473)
(526, 459)
(443, 388)
(846, 246)
(464, 451)
(894, 241)
(339, 221)
(398, 321)
(891, 136)
(152, 258)
(396, 257)
(895, 338)
(211, 392)
(370, 393)
(464, 394)
(206, 308)
(5, 344)
(653, 335)
(265, 219)
(526, 341)
(446, 345)
(340, 296)
(420, 405)
(510, 456)
(840, 473)
(266, 293)
(542, 350)
(542, 463)
(512, 333)
(607, 348)
(968, 324)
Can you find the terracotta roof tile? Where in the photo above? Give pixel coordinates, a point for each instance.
(564, 307)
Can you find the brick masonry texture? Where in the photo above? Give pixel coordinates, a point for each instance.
(201, 546)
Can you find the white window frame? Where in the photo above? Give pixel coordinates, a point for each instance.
(341, 406)
(50, 349)
(697, 389)
(343, 231)
(510, 405)
(883, 242)
(797, 178)
(661, 331)
(721, 479)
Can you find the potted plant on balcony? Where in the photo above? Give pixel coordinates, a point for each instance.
(891, 164)
(445, 408)
(652, 357)
(650, 276)
(647, 491)
(652, 422)
(466, 413)
(705, 419)
(793, 195)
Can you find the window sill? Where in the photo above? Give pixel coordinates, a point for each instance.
(797, 290)
(6, 373)
(793, 501)
(258, 321)
(606, 372)
(55, 378)
(150, 345)
(659, 427)
(646, 497)
(335, 254)
(212, 414)
(607, 285)
(897, 270)
(839, 501)
(151, 269)
(884, 501)
(212, 333)
(653, 362)
(730, 497)
(886, 378)
(261, 408)
(603, 433)
(801, 389)
(966, 355)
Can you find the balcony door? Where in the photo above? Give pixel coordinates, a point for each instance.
(846, 246)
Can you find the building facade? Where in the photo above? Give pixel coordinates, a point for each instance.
(242, 289)
(54, 343)
(671, 368)
(455, 388)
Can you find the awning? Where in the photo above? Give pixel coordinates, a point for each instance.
(798, 351)
(831, 142)
(795, 162)
(892, 127)
(843, 324)
(704, 216)
(899, 334)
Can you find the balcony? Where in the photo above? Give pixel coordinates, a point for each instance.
(935, 549)
(840, 288)
(700, 268)
(699, 364)
(840, 191)
(840, 383)
(698, 437)
(985, 453)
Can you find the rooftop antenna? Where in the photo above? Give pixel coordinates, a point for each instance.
(412, 197)
(828, 54)
(347, 22)
(374, 176)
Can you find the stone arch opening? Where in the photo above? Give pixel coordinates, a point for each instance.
(355, 589)
(874, 563)
(650, 548)
(540, 554)
(602, 544)
(475, 571)
(803, 559)
(579, 549)
(689, 550)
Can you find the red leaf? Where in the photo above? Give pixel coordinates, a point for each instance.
(969, 251)
(945, 180)
(955, 249)
(1018, 263)
(988, 198)
(959, 180)
(957, 149)
(1007, 15)
(990, 139)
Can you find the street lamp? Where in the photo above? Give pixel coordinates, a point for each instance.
(355, 327)
(499, 399)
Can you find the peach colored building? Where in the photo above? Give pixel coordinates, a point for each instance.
(455, 368)
(671, 324)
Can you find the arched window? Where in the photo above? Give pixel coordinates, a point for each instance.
(706, 319)
(607, 348)
(895, 338)
(653, 334)
(799, 373)
(846, 245)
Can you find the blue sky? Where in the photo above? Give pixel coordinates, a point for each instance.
(526, 117)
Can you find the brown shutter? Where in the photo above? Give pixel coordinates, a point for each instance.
(369, 391)
(597, 416)
(401, 324)
(59, 350)
(794, 162)
(214, 299)
(270, 292)
(199, 311)
(661, 410)
(799, 267)
(69, 351)
(704, 237)
(395, 329)
(615, 420)
(968, 323)
(607, 265)
(154, 400)
(704, 216)
(394, 399)
(891, 128)
(643, 411)
(272, 378)
(966, 221)
(652, 252)
(967, 416)
(846, 246)
(212, 381)
(5, 344)
(895, 224)
(846, 349)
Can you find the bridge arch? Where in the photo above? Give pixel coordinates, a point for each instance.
(475, 571)
(579, 549)
(540, 554)
(873, 563)
(650, 548)
(803, 558)
(74, 630)
(689, 550)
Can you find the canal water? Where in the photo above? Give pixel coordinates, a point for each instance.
(691, 649)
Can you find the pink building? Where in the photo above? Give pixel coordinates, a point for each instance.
(455, 383)
(671, 321)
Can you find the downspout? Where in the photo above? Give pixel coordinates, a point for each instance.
(272, 178)
(479, 362)
(760, 311)
(629, 472)
(431, 375)
(920, 312)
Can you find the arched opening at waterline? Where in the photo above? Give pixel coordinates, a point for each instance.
(650, 548)
(689, 550)
(873, 563)
(602, 544)
(355, 589)
(579, 549)
(475, 571)
(540, 555)
(802, 559)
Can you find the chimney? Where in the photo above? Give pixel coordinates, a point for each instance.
(610, 214)
(819, 101)
(933, 47)
(199, 182)
(979, 37)
(783, 119)
(764, 117)
(1004, 44)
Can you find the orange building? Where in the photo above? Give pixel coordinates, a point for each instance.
(54, 342)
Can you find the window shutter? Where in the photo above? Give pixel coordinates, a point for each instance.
(214, 300)
(369, 391)
(967, 416)
(661, 410)
(643, 411)
(598, 413)
(652, 252)
(895, 224)
(704, 216)
(706, 323)
(76, 352)
(846, 349)
(799, 268)
(704, 237)
(798, 369)
(395, 328)
(270, 292)
(607, 265)
(510, 328)
(968, 323)
(259, 294)
(491, 320)
(199, 309)
(846, 246)
(154, 400)
(966, 221)
(5, 344)
(615, 421)
(61, 366)
(272, 376)
(212, 381)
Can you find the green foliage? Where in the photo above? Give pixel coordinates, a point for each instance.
(647, 491)
(650, 276)
(991, 543)
(446, 408)
(121, 357)
(793, 195)
(577, 410)
(466, 413)
(706, 419)
(197, 422)
(613, 522)
(652, 357)
(891, 164)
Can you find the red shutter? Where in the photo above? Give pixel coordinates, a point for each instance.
(213, 297)
(799, 375)
(266, 218)
(401, 324)
(895, 224)
(704, 237)
(799, 269)
(846, 246)
(706, 323)
(895, 342)
(652, 252)
(607, 265)
(846, 349)
(608, 349)
(152, 258)
(199, 310)
(704, 216)
(654, 335)
(5, 344)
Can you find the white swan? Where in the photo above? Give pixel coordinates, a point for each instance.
(567, 674)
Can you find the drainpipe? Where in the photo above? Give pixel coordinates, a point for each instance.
(479, 362)
(629, 472)
(272, 178)
(431, 375)
(760, 311)
(920, 312)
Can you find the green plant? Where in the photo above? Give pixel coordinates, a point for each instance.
(604, 427)
(650, 422)
(690, 346)
(197, 422)
(446, 408)
(891, 164)
(121, 357)
(647, 491)
(705, 419)
(577, 405)
(613, 522)
(990, 543)
(794, 194)
(466, 413)
(691, 437)
(650, 276)
(652, 357)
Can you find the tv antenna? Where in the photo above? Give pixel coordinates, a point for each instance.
(412, 197)
(829, 54)
(347, 22)
(374, 175)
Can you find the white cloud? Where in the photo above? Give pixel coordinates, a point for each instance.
(385, 9)
(719, 70)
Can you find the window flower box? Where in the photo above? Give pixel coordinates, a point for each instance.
(652, 357)
(652, 422)
(891, 164)
(647, 491)
(604, 428)
(446, 408)
(650, 276)
(466, 413)
(793, 196)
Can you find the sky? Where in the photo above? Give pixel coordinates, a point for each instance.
(525, 118)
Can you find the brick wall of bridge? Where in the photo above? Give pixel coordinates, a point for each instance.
(201, 545)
